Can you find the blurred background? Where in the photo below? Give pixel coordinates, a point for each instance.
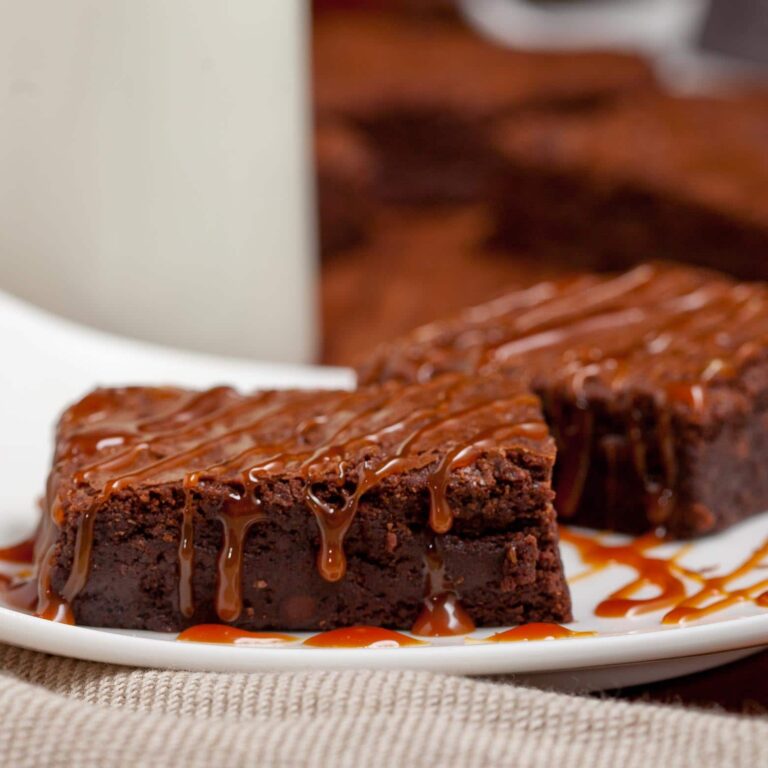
(465, 147)
(292, 181)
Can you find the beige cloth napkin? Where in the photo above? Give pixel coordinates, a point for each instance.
(60, 712)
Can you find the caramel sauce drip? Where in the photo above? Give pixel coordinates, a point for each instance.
(668, 577)
(660, 337)
(223, 634)
(361, 637)
(663, 574)
(716, 593)
(340, 445)
(20, 587)
(536, 631)
(442, 614)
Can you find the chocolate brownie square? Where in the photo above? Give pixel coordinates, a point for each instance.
(654, 383)
(425, 93)
(656, 176)
(303, 509)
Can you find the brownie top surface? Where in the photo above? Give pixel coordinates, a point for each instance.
(709, 150)
(366, 62)
(127, 438)
(682, 335)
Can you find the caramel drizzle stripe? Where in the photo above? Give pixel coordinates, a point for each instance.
(229, 589)
(668, 576)
(176, 419)
(187, 557)
(552, 308)
(134, 449)
(714, 594)
(556, 315)
(178, 459)
(676, 312)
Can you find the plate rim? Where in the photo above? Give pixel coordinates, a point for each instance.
(547, 656)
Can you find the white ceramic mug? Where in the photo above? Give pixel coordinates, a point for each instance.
(154, 176)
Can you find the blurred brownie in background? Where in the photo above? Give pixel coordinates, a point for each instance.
(345, 169)
(417, 266)
(654, 177)
(424, 94)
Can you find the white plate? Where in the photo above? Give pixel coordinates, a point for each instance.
(48, 362)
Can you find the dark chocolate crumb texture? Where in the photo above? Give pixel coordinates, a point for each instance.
(654, 382)
(394, 505)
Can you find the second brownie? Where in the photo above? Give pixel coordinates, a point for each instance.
(655, 384)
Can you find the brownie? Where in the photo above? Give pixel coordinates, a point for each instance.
(657, 176)
(302, 510)
(425, 93)
(654, 383)
(345, 171)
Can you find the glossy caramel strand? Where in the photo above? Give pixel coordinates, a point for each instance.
(223, 634)
(442, 614)
(536, 631)
(668, 576)
(362, 637)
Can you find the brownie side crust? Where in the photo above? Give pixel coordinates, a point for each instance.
(509, 575)
(171, 481)
(683, 178)
(654, 382)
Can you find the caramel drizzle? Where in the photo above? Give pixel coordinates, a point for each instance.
(683, 330)
(536, 631)
(668, 576)
(442, 614)
(221, 448)
(224, 634)
(362, 637)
